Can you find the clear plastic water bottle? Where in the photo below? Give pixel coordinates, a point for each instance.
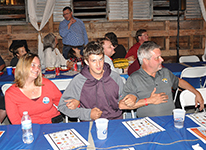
(26, 125)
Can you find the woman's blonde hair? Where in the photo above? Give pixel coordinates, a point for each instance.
(22, 70)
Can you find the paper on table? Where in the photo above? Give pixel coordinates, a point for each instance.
(50, 76)
(1, 133)
(66, 139)
(70, 73)
(199, 118)
(199, 132)
(142, 127)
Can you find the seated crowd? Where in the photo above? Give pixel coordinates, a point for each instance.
(98, 90)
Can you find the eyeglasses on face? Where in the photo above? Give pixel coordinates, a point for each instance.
(66, 14)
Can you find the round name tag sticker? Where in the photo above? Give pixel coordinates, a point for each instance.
(45, 100)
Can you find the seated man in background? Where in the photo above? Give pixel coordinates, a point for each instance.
(18, 48)
(149, 90)
(96, 87)
(108, 52)
(119, 49)
(141, 37)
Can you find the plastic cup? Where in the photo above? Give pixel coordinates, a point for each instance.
(79, 66)
(13, 70)
(179, 117)
(57, 71)
(101, 127)
(9, 70)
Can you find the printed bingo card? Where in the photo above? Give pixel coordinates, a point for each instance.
(1, 133)
(199, 118)
(66, 139)
(142, 127)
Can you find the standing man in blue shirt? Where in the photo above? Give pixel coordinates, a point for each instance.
(72, 31)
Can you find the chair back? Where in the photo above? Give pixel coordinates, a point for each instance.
(192, 58)
(193, 72)
(203, 57)
(5, 87)
(187, 98)
(61, 83)
(196, 73)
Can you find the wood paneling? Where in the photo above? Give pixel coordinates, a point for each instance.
(192, 35)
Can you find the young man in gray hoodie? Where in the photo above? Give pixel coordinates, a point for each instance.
(96, 88)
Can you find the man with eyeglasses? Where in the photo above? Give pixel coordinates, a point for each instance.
(72, 31)
(141, 37)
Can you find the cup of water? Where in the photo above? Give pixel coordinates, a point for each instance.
(79, 66)
(101, 127)
(179, 117)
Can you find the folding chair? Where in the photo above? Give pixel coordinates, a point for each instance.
(192, 58)
(61, 83)
(187, 98)
(5, 87)
(132, 111)
(203, 57)
(193, 72)
(125, 114)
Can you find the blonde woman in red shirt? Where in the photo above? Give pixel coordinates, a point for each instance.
(33, 93)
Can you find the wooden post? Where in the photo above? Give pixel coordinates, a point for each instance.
(9, 32)
(167, 38)
(204, 37)
(51, 28)
(130, 15)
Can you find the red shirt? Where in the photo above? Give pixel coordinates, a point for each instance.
(133, 67)
(41, 110)
(133, 50)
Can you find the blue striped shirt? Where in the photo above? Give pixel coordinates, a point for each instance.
(76, 35)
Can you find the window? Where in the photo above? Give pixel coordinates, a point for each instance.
(82, 9)
(90, 9)
(12, 10)
(162, 9)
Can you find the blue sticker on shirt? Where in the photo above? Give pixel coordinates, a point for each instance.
(45, 100)
(164, 80)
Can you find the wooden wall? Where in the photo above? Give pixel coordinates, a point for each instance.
(192, 35)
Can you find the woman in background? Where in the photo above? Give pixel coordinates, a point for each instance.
(75, 56)
(52, 56)
(30, 92)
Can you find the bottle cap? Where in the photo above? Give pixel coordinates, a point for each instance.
(25, 112)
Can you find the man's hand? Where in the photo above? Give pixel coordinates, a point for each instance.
(157, 98)
(131, 58)
(95, 113)
(72, 103)
(72, 20)
(129, 100)
(199, 99)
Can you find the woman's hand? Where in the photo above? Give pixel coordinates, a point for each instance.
(70, 64)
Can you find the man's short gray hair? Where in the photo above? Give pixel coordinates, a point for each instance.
(145, 50)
